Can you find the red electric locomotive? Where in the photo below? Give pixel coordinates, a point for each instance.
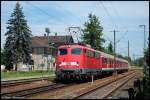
(81, 61)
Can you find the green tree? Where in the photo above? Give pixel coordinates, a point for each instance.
(146, 78)
(138, 61)
(110, 48)
(92, 33)
(127, 58)
(2, 57)
(18, 39)
(146, 54)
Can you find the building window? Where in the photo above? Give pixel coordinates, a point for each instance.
(32, 50)
(45, 51)
(39, 50)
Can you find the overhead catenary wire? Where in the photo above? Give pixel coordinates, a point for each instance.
(113, 24)
(124, 26)
(61, 7)
(108, 38)
(49, 22)
(58, 19)
(74, 16)
(43, 11)
(117, 14)
(29, 13)
(70, 13)
(122, 37)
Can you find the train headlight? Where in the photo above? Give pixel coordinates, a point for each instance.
(74, 63)
(69, 63)
(62, 64)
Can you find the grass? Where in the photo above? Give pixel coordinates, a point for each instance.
(13, 74)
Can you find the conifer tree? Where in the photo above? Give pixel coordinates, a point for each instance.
(18, 39)
(110, 48)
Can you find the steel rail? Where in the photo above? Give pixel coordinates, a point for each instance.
(33, 91)
(116, 88)
(98, 87)
(22, 81)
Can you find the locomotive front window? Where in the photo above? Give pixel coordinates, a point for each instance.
(62, 52)
(76, 51)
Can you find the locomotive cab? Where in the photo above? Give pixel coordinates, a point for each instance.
(69, 61)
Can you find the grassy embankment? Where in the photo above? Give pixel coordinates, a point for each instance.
(13, 74)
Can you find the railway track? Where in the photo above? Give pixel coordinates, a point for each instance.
(105, 88)
(22, 81)
(118, 85)
(30, 92)
(104, 83)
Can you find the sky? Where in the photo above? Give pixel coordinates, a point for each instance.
(123, 16)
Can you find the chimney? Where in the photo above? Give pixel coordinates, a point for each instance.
(44, 35)
(55, 34)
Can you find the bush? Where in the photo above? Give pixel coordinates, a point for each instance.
(146, 86)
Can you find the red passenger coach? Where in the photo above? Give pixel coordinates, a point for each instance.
(81, 61)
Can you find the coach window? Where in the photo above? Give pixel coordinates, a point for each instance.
(62, 52)
(97, 55)
(91, 54)
(76, 51)
(88, 53)
(94, 54)
(105, 60)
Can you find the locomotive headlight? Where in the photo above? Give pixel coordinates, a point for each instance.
(62, 64)
(69, 63)
(74, 63)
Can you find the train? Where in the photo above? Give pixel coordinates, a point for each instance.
(80, 61)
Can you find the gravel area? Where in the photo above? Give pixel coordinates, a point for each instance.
(122, 92)
(99, 93)
(55, 94)
(25, 86)
(61, 93)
